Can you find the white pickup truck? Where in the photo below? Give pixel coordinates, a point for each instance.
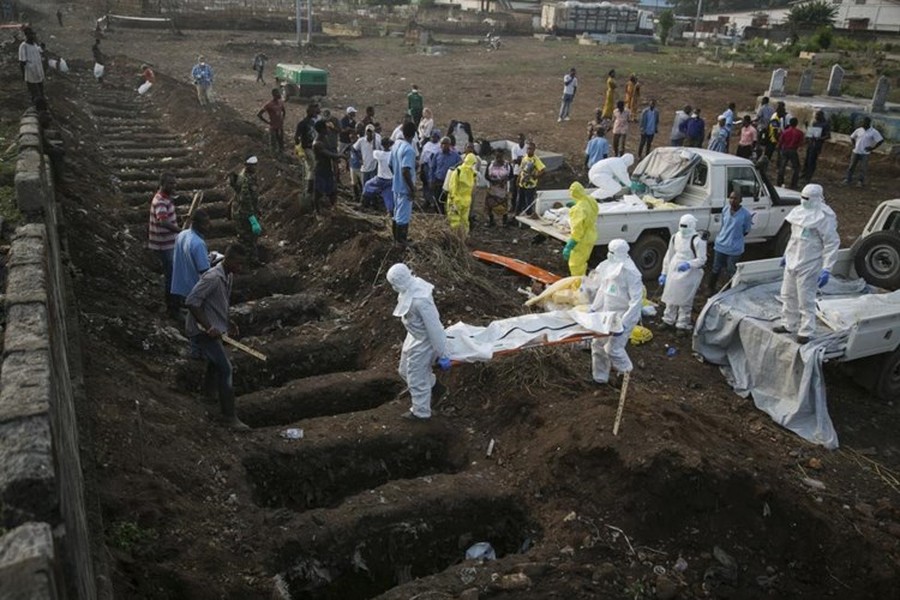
(708, 177)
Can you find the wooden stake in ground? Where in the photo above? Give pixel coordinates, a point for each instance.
(196, 201)
(244, 348)
(625, 380)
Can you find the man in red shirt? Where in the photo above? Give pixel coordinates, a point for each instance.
(163, 229)
(274, 108)
(789, 151)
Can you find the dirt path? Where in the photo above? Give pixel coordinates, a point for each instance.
(365, 504)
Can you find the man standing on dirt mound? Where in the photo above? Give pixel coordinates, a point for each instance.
(208, 304)
(245, 208)
(202, 75)
(425, 343)
(620, 290)
(403, 167)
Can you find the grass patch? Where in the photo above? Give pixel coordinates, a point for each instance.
(128, 535)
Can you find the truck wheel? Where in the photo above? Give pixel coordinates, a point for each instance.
(877, 259)
(648, 253)
(888, 386)
(780, 241)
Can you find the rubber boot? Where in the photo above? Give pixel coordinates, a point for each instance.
(394, 233)
(403, 235)
(229, 416)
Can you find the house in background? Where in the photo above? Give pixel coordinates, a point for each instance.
(865, 15)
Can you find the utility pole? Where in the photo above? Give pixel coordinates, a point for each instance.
(297, 19)
(308, 21)
(697, 19)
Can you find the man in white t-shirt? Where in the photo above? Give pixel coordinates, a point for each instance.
(865, 139)
(30, 60)
(570, 86)
(366, 146)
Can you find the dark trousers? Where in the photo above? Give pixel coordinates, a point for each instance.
(165, 263)
(644, 147)
(812, 158)
(36, 90)
(744, 151)
(618, 144)
(525, 200)
(217, 381)
(860, 161)
(513, 194)
(792, 157)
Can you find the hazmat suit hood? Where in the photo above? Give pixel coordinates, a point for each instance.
(628, 159)
(687, 225)
(618, 251)
(408, 288)
(466, 172)
(812, 207)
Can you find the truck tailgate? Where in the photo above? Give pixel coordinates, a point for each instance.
(543, 227)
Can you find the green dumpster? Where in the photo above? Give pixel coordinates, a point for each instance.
(301, 81)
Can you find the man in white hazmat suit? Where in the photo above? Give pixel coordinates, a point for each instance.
(610, 175)
(425, 340)
(808, 259)
(619, 289)
(682, 272)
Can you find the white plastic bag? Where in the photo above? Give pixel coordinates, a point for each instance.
(98, 70)
(144, 88)
(63, 66)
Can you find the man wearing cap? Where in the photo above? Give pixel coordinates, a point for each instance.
(366, 146)
(348, 126)
(202, 75)
(245, 207)
(275, 110)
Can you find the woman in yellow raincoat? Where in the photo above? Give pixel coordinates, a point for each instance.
(609, 104)
(459, 198)
(583, 225)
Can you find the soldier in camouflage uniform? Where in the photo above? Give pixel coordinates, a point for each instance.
(246, 205)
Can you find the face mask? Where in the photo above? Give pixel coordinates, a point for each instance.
(807, 203)
(684, 230)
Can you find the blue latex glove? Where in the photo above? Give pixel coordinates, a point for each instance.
(619, 334)
(444, 363)
(254, 225)
(662, 280)
(567, 250)
(824, 276)
(682, 267)
(570, 204)
(783, 262)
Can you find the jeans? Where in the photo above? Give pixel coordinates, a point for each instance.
(857, 160)
(812, 159)
(566, 106)
(725, 262)
(525, 200)
(785, 157)
(218, 377)
(644, 147)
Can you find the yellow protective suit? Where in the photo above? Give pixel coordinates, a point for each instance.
(459, 198)
(583, 224)
(609, 103)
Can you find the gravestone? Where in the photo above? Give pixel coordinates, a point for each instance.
(881, 93)
(776, 84)
(806, 81)
(834, 81)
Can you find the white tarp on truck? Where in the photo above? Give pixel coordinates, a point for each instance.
(785, 379)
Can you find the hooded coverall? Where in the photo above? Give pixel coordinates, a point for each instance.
(812, 247)
(425, 340)
(459, 199)
(583, 223)
(681, 286)
(620, 290)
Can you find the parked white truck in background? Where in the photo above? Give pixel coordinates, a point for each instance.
(708, 179)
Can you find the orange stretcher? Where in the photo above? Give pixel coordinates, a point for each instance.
(518, 266)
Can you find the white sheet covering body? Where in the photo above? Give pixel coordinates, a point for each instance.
(471, 343)
(785, 379)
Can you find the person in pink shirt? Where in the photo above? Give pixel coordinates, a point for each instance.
(747, 139)
(621, 116)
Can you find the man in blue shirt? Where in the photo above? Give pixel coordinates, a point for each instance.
(649, 126)
(403, 167)
(597, 149)
(440, 163)
(191, 258)
(729, 246)
(203, 77)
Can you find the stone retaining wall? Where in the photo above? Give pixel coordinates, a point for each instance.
(46, 550)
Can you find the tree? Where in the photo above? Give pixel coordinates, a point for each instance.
(812, 14)
(666, 21)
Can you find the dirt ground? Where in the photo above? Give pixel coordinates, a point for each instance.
(700, 495)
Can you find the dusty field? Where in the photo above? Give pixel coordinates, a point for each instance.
(365, 504)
